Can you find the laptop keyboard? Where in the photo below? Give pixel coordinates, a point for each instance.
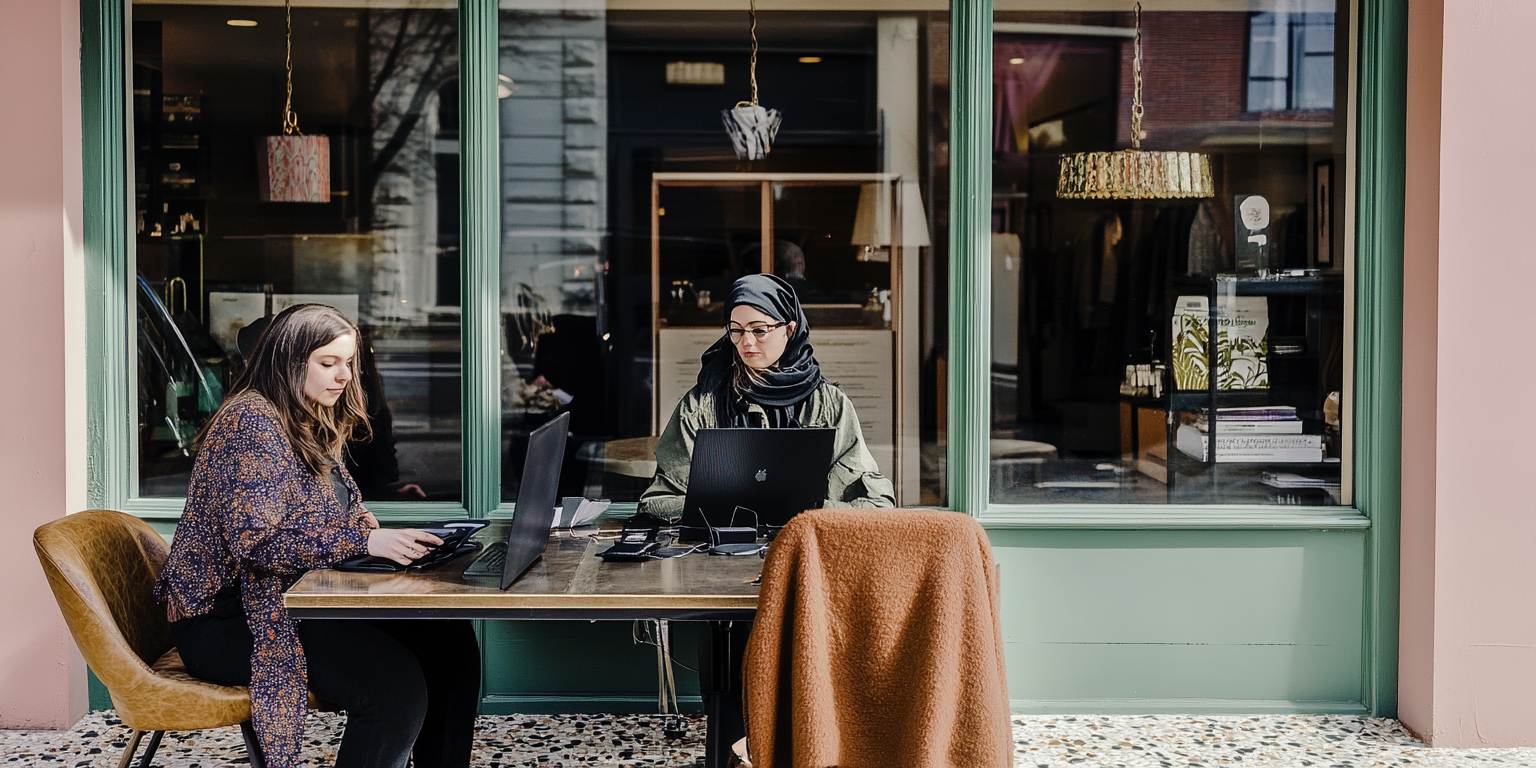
(490, 562)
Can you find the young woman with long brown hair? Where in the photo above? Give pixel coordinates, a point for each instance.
(270, 499)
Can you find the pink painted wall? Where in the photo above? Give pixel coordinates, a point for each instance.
(42, 681)
(1469, 535)
(1421, 248)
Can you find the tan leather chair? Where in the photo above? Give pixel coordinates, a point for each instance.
(102, 566)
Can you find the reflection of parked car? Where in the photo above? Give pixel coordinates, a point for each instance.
(180, 380)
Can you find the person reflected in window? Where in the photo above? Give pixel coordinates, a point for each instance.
(270, 500)
(763, 373)
(789, 263)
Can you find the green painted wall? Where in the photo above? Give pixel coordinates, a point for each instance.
(1165, 621)
(98, 693)
(581, 666)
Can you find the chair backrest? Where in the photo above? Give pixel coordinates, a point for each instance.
(878, 642)
(102, 566)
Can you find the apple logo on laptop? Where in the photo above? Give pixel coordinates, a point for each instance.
(762, 475)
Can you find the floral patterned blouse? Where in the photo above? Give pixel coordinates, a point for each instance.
(257, 517)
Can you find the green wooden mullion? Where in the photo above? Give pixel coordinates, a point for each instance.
(103, 87)
(480, 260)
(480, 238)
(1381, 160)
(970, 294)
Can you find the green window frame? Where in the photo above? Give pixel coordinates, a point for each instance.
(1380, 48)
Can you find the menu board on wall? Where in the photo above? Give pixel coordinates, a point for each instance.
(859, 361)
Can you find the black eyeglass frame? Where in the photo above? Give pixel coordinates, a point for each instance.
(761, 332)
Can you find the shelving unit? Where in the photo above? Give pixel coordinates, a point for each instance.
(1296, 381)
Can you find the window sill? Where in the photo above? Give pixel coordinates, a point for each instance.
(170, 509)
(1118, 517)
(1176, 518)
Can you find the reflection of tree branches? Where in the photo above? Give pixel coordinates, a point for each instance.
(390, 59)
(426, 86)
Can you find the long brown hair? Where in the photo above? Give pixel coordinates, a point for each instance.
(276, 369)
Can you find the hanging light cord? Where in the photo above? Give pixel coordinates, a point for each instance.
(290, 118)
(752, 11)
(1136, 108)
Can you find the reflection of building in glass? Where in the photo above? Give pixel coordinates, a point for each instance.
(413, 64)
(553, 157)
(1290, 61)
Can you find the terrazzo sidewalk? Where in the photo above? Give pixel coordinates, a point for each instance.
(636, 741)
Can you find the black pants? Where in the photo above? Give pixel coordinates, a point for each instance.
(409, 688)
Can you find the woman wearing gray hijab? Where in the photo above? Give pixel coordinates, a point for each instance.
(763, 373)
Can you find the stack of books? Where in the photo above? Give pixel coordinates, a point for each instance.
(1261, 420)
(1289, 488)
(1264, 434)
(1290, 480)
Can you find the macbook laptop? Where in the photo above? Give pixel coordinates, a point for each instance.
(773, 474)
(534, 515)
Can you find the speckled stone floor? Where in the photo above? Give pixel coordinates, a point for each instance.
(637, 741)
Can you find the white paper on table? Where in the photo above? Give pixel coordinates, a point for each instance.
(585, 511)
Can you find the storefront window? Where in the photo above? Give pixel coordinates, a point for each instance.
(358, 209)
(627, 216)
(1107, 386)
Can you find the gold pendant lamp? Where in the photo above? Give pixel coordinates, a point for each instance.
(1131, 174)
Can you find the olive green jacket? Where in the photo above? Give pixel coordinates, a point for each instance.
(853, 481)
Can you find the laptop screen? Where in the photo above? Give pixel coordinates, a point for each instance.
(534, 514)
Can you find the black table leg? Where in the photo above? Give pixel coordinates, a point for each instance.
(720, 687)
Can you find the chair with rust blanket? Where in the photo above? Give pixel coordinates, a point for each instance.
(878, 643)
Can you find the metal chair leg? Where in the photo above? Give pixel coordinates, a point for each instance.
(252, 745)
(149, 751)
(133, 746)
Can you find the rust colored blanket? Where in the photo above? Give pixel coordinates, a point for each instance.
(878, 643)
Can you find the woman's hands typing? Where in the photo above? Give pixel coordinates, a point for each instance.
(402, 545)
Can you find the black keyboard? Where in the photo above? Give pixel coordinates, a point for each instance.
(490, 562)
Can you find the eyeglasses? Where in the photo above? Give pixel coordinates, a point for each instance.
(759, 333)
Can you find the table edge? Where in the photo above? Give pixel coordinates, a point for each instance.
(501, 601)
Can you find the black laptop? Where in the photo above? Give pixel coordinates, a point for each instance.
(771, 474)
(534, 515)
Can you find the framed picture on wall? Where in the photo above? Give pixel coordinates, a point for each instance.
(1322, 211)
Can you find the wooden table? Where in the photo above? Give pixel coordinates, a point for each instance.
(571, 582)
